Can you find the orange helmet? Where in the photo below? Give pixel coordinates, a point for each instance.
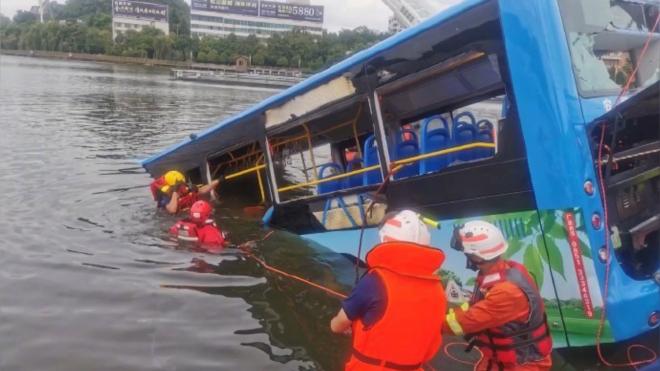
(200, 211)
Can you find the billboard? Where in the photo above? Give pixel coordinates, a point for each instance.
(296, 12)
(139, 9)
(242, 7)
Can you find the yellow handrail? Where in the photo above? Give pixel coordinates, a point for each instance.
(311, 150)
(261, 187)
(328, 179)
(447, 151)
(399, 162)
(244, 172)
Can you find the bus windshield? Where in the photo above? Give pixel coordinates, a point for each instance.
(605, 38)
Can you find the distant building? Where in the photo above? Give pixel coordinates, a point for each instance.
(254, 17)
(410, 12)
(136, 15)
(393, 25)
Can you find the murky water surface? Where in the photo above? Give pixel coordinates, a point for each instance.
(85, 256)
(89, 278)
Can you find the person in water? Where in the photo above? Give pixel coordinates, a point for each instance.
(397, 309)
(505, 317)
(173, 194)
(200, 229)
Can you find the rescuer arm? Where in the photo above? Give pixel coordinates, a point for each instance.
(209, 187)
(503, 303)
(173, 206)
(340, 323)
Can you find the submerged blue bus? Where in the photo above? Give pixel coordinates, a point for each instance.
(495, 110)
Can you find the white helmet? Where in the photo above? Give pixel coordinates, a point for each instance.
(483, 240)
(405, 226)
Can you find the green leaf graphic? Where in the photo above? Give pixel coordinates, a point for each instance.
(584, 248)
(557, 232)
(532, 261)
(531, 224)
(470, 282)
(553, 256)
(514, 247)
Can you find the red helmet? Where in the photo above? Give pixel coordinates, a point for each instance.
(200, 211)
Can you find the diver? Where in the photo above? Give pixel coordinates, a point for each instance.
(172, 193)
(506, 317)
(201, 229)
(396, 311)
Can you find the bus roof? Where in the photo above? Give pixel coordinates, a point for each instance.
(187, 154)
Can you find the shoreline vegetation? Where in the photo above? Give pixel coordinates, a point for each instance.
(82, 30)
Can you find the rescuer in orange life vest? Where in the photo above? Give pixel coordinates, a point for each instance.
(396, 311)
(172, 193)
(506, 316)
(200, 229)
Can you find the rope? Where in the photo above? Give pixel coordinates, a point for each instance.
(244, 247)
(455, 359)
(608, 260)
(381, 188)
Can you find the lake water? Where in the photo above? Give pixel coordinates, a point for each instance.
(89, 277)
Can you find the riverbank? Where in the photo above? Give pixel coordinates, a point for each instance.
(103, 58)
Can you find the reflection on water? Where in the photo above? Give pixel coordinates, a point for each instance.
(90, 279)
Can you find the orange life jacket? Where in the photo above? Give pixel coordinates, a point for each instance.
(187, 197)
(408, 334)
(516, 342)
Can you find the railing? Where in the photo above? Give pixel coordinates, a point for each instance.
(402, 162)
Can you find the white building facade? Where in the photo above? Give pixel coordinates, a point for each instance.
(262, 18)
(136, 15)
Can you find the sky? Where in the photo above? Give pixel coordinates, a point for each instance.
(339, 14)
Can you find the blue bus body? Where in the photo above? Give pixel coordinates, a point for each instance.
(555, 237)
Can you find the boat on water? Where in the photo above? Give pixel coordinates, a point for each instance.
(262, 78)
(503, 110)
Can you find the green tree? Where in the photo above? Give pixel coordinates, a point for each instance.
(4, 21)
(23, 16)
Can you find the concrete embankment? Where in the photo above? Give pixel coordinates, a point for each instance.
(106, 59)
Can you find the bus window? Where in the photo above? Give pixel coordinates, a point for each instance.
(428, 133)
(326, 153)
(245, 175)
(605, 38)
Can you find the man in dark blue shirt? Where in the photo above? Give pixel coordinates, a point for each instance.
(397, 309)
(368, 299)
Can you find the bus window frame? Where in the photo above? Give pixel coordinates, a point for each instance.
(443, 67)
(361, 100)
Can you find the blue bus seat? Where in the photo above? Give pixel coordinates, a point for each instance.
(370, 159)
(465, 132)
(485, 134)
(405, 149)
(354, 180)
(333, 185)
(432, 141)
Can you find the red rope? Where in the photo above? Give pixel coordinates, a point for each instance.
(608, 260)
(455, 359)
(244, 247)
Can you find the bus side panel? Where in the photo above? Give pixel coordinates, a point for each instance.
(570, 262)
(524, 234)
(558, 150)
